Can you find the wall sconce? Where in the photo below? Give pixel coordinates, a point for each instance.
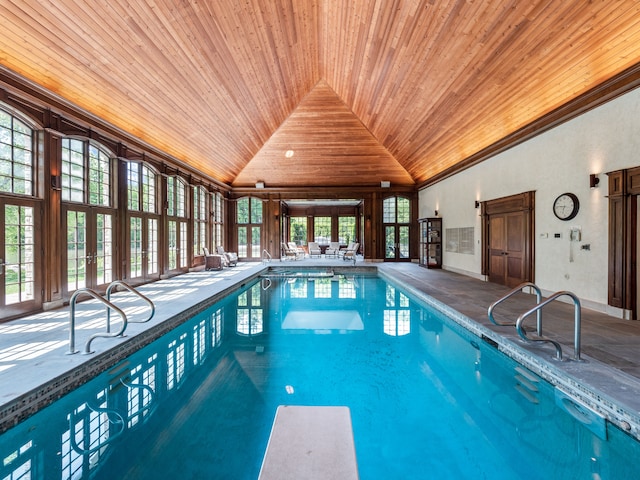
(435, 213)
(277, 217)
(477, 204)
(259, 184)
(593, 180)
(56, 182)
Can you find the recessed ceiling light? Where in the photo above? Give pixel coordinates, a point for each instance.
(288, 153)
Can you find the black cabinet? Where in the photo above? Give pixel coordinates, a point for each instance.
(431, 242)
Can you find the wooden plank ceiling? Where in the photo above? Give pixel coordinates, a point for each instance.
(359, 91)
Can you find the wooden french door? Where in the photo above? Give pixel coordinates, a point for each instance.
(20, 283)
(396, 242)
(506, 249)
(177, 245)
(509, 239)
(143, 248)
(90, 248)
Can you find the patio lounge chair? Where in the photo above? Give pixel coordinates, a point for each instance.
(300, 252)
(342, 251)
(332, 250)
(231, 257)
(314, 249)
(291, 250)
(350, 254)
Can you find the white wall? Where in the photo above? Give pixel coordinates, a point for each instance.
(558, 161)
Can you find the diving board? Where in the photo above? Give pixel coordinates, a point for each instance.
(310, 443)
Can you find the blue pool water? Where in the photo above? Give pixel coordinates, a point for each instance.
(427, 398)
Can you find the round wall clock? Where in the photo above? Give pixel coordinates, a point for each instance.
(566, 206)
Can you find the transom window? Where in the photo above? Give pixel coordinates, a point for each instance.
(249, 210)
(176, 193)
(16, 156)
(141, 188)
(396, 210)
(86, 173)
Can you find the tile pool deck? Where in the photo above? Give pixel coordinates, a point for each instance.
(34, 363)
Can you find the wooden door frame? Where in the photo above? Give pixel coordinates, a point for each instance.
(10, 311)
(624, 187)
(522, 202)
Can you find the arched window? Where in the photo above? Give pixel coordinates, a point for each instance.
(86, 173)
(177, 241)
(87, 196)
(199, 220)
(249, 220)
(141, 188)
(16, 156)
(396, 219)
(142, 203)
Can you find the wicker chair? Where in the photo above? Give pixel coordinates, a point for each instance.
(231, 257)
(212, 261)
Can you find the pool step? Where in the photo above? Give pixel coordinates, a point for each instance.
(310, 443)
(526, 384)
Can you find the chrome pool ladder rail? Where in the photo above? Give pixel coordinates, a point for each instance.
(577, 322)
(518, 289)
(117, 421)
(120, 283)
(266, 256)
(147, 407)
(72, 320)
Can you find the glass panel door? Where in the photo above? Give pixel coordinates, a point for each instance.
(403, 242)
(89, 252)
(19, 284)
(143, 248)
(177, 245)
(77, 257)
(390, 242)
(255, 242)
(103, 256)
(396, 219)
(135, 248)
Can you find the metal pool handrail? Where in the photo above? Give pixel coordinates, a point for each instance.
(118, 421)
(577, 320)
(518, 289)
(266, 256)
(72, 320)
(128, 287)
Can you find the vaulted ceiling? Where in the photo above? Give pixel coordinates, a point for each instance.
(319, 92)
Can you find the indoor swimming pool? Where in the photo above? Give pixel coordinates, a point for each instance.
(428, 399)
